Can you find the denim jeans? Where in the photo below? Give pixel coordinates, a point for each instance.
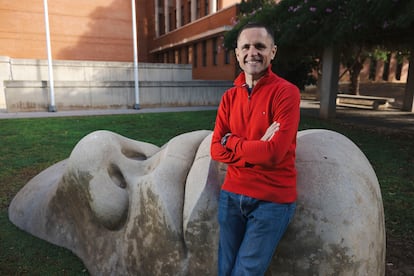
(250, 230)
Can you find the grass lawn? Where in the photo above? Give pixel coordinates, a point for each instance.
(29, 146)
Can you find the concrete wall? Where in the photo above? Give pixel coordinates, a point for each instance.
(93, 85)
(34, 95)
(34, 69)
(5, 74)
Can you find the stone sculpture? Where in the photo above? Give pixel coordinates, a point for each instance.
(131, 208)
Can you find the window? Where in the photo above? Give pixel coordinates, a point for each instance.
(372, 69)
(182, 16)
(398, 71)
(198, 12)
(177, 56)
(400, 65)
(161, 21)
(189, 11)
(189, 55)
(386, 72)
(161, 18)
(195, 55)
(204, 53)
(227, 57)
(206, 11)
(215, 51)
(170, 21)
(175, 25)
(171, 56)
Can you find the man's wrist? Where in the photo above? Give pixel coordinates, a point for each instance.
(224, 139)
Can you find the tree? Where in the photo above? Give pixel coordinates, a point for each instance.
(353, 58)
(292, 63)
(303, 28)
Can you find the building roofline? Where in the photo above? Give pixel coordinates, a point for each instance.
(192, 36)
(188, 40)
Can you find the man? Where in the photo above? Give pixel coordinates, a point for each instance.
(255, 134)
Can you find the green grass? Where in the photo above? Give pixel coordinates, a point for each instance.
(29, 146)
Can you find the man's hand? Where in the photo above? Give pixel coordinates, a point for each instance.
(270, 131)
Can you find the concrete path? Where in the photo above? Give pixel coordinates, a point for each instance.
(390, 119)
(98, 112)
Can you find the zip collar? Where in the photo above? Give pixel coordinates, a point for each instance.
(240, 81)
(241, 78)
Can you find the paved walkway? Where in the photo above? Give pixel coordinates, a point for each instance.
(391, 119)
(98, 112)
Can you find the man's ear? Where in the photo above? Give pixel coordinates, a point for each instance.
(274, 50)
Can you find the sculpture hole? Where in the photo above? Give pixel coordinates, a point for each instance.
(116, 176)
(132, 154)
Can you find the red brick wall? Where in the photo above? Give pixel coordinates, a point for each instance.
(145, 28)
(220, 71)
(79, 30)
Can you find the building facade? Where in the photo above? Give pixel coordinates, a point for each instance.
(168, 31)
(192, 32)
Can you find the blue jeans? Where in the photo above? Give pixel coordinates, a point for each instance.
(250, 230)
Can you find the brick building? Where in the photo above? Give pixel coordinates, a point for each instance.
(169, 31)
(191, 32)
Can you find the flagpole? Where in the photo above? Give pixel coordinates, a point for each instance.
(134, 32)
(52, 106)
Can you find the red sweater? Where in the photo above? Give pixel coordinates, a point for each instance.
(264, 170)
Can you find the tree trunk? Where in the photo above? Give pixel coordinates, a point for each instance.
(319, 85)
(329, 84)
(354, 72)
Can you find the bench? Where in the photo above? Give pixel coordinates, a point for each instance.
(359, 101)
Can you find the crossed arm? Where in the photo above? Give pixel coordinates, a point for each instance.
(270, 132)
(240, 152)
(278, 139)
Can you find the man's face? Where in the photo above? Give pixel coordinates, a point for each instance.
(255, 51)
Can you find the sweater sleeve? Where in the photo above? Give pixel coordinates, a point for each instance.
(271, 153)
(217, 150)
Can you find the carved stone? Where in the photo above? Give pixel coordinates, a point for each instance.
(131, 208)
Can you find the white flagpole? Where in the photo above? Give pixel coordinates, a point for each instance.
(52, 107)
(134, 32)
